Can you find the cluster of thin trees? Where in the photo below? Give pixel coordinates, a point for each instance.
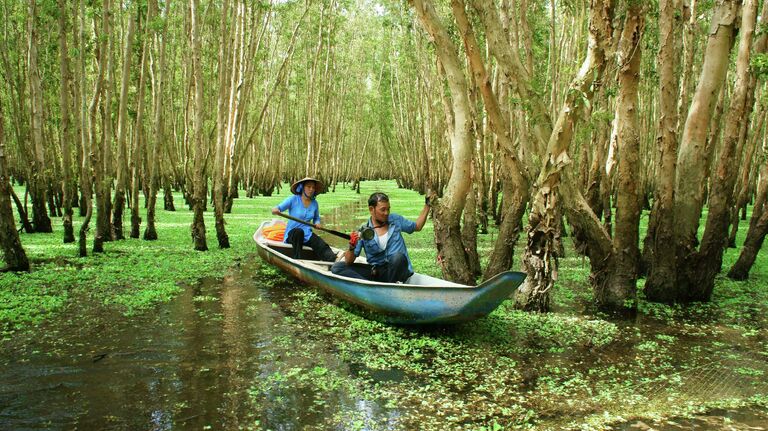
(578, 115)
(106, 101)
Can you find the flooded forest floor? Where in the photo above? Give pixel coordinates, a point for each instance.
(153, 335)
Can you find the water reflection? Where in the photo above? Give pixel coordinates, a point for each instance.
(198, 362)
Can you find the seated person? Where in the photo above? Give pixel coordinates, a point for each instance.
(303, 205)
(386, 251)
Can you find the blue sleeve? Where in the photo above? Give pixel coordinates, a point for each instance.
(406, 225)
(316, 218)
(286, 204)
(358, 247)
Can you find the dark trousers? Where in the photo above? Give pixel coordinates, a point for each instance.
(396, 269)
(321, 249)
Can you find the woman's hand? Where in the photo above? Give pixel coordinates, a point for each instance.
(275, 211)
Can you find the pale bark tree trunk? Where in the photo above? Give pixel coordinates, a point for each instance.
(99, 151)
(710, 257)
(596, 180)
(118, 205)
(23, 218)
(758, 228)
(469, 234)
(86, 173)
(614, 286)
(660, 259)
(690, 38)
(158, 130)
(517, 187)
(311, 130)
(67, 135)
(515, 71)
(447, 212)
(540, 259)
(138, 133)
(691, 158)
(13, 253)
(199, 193)
(37, 178)
(743, 188)
(226, 67)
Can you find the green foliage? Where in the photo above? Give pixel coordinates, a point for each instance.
(759, 65)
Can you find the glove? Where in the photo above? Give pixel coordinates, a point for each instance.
(354, 237)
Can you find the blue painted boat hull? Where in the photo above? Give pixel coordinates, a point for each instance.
(432, 302)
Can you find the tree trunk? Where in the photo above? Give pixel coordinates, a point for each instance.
(517, 186)
(118, 206)
(199, 194)
(540, 258)
(99, 147)
(23, 217)
(691, 160)
(690, 40)
(168, 204)
(226, 75)
(37, 178)
(615, 286)
(469, 233)
(758, 228)
(447, 212)
(158, 135)
(502, 255)
(86, 173)
(13, 253)
(596, 178)
(708, 261)
(660, 257)
(744, 188)
(514, 70)
(138, 132)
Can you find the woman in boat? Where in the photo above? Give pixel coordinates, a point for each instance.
(303, 205)
(385, 250)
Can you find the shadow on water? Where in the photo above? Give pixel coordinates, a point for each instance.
(199, 361)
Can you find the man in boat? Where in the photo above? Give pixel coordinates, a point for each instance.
(303, 205)
(385, 250)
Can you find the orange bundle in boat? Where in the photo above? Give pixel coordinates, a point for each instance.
(276, 232)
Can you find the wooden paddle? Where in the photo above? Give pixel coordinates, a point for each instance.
(330, 231)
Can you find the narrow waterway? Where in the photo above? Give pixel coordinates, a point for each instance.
(191, 365)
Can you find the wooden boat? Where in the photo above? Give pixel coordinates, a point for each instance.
(420, 300)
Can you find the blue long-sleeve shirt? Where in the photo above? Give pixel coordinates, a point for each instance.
(295, 207)
(374, 254)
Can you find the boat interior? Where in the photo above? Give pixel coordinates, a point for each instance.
(310, 259)
(308, 256)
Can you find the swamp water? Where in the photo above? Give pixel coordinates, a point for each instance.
(196, 363)
(254, 350)
(224, 354)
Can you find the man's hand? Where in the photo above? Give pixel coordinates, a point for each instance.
(354, 237)
(429, 198)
